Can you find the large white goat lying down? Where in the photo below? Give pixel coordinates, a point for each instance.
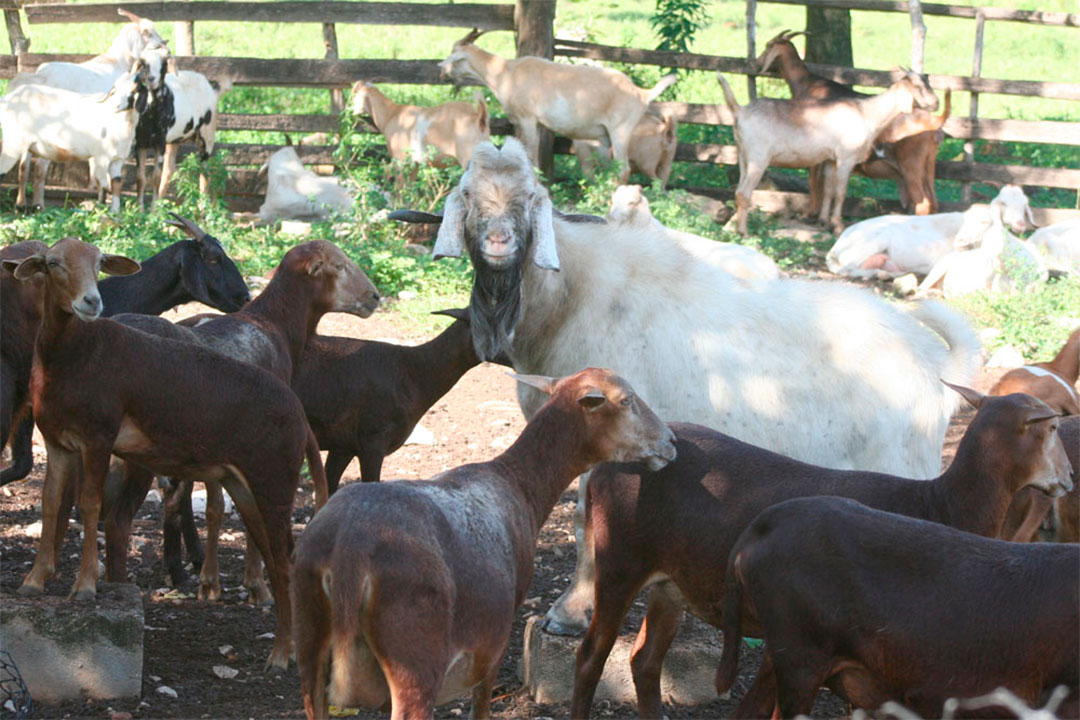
(294, 192)
(629, 206)
(823, 372)
(1060, 243)
(579, 101)
(894, 245)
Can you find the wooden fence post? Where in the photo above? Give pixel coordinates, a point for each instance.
(19, 43)
(534, 21)
(329, 34)
(751, 42)
(973, 111)
(184, 32)
(918, 35)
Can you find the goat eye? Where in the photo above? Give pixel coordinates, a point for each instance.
(625, 402)
(53, 263)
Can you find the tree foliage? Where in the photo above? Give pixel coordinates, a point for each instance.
(677, 21)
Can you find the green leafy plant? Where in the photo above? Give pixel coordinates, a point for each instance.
(677, 21)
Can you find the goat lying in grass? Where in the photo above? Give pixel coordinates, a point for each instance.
(294, 192)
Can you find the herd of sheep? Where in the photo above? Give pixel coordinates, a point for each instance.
(762, 451)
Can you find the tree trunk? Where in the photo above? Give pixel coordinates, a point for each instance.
(828, 36)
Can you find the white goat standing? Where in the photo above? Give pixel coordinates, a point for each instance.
(631, 207)
(823, 372)
(894, 245)
(294, 192)
(652, 148)
(838, 133)
(452, 128)
(579, 101)
(1060, 243)
(62, 125)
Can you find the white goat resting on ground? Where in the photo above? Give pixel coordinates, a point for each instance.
(62, 125)
(579, 101)
(652, 148)
(1060, 243)
(452, 128)
(630, 206)
(823, 372)
(894, 245)
(294, 192)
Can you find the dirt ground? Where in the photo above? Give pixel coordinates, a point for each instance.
(185, 638)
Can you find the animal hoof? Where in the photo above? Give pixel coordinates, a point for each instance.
(553, 626)
(261, 596)
(278, 660)
(29, 590)
(82, 594)
(210, 593)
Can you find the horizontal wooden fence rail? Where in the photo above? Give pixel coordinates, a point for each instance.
(1037, 17)
(485, 17)
(850, 76)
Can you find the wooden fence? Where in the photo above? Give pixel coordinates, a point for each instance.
(533, 22)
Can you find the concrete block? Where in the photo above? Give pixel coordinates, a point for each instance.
(68, 650)
(688, 676)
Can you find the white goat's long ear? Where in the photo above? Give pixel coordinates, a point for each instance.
(450, 242)
(1029, 216)
(543, 383)
(545, 254)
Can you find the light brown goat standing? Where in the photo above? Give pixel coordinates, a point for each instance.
(803, 133)
(452, 128)
(406, 592)
(652, 148)
(908, 145)
(580, 101)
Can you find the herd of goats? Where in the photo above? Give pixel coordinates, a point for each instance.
(768, 456)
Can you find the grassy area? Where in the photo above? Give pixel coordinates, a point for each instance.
(1012, 51)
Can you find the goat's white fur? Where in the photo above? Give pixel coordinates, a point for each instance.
(823, 372)
(294, 192)
(631, 207)
(578, 101)
(452, 128)
(1060, 243)
(914, 243)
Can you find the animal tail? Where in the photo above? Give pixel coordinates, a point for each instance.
(671, 128)
(963, 344)
(727, 671)
(946, 111)
(315, 467)
(665, 82)
(729, 97)
(350, 590)
(482, 119)
(1067, 362)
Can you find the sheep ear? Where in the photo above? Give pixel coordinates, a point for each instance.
(972, 396)
(27, 267)
(543, 383)
(118, 265)
(450, 241)
(545, 254)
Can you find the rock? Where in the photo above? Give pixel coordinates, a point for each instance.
(198, 503)
(295, 227)
(407, 295)
(687, 677)
(120, 716)
(225, 649)
(420, 436)
(417, 249)
(1005, 356)
(33, 530)
(225, 672)
(265, 636)
(166, 691)
(70, 650)
(153, 497)
(905, 284)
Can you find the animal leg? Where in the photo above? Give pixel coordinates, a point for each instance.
(38, 171)
(168, 168)
(569, 614)
(95, 466)
(253, 576)
(620, 145)
(62, 468)
(799, 674)
(530, 137)
(179, 520)
(1025, 515)
(22, 451)
(122, 504)
(371, 465)
(748, 180)
(481, 694)
(828, 190)
(312, 616)
(24, 173)
(209, 577)
(760, 699)
(840, 183)
(613, 597)
(815, 181)
(336, 462)
(662, 620)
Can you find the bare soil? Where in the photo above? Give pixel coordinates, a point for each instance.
(185, 638)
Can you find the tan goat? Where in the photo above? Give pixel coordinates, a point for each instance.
(453, 128)
(579, 101)
(652, 148)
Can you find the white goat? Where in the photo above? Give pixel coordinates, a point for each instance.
(823, 372)
(803, 133)
(294, 192)
(62, 125)
(894, 245)
(652, 148)
(96, 75)
(1060, 243)
(579, 101)
(185, 108)
(629, 206)
(452, 128)
(1001, 262)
